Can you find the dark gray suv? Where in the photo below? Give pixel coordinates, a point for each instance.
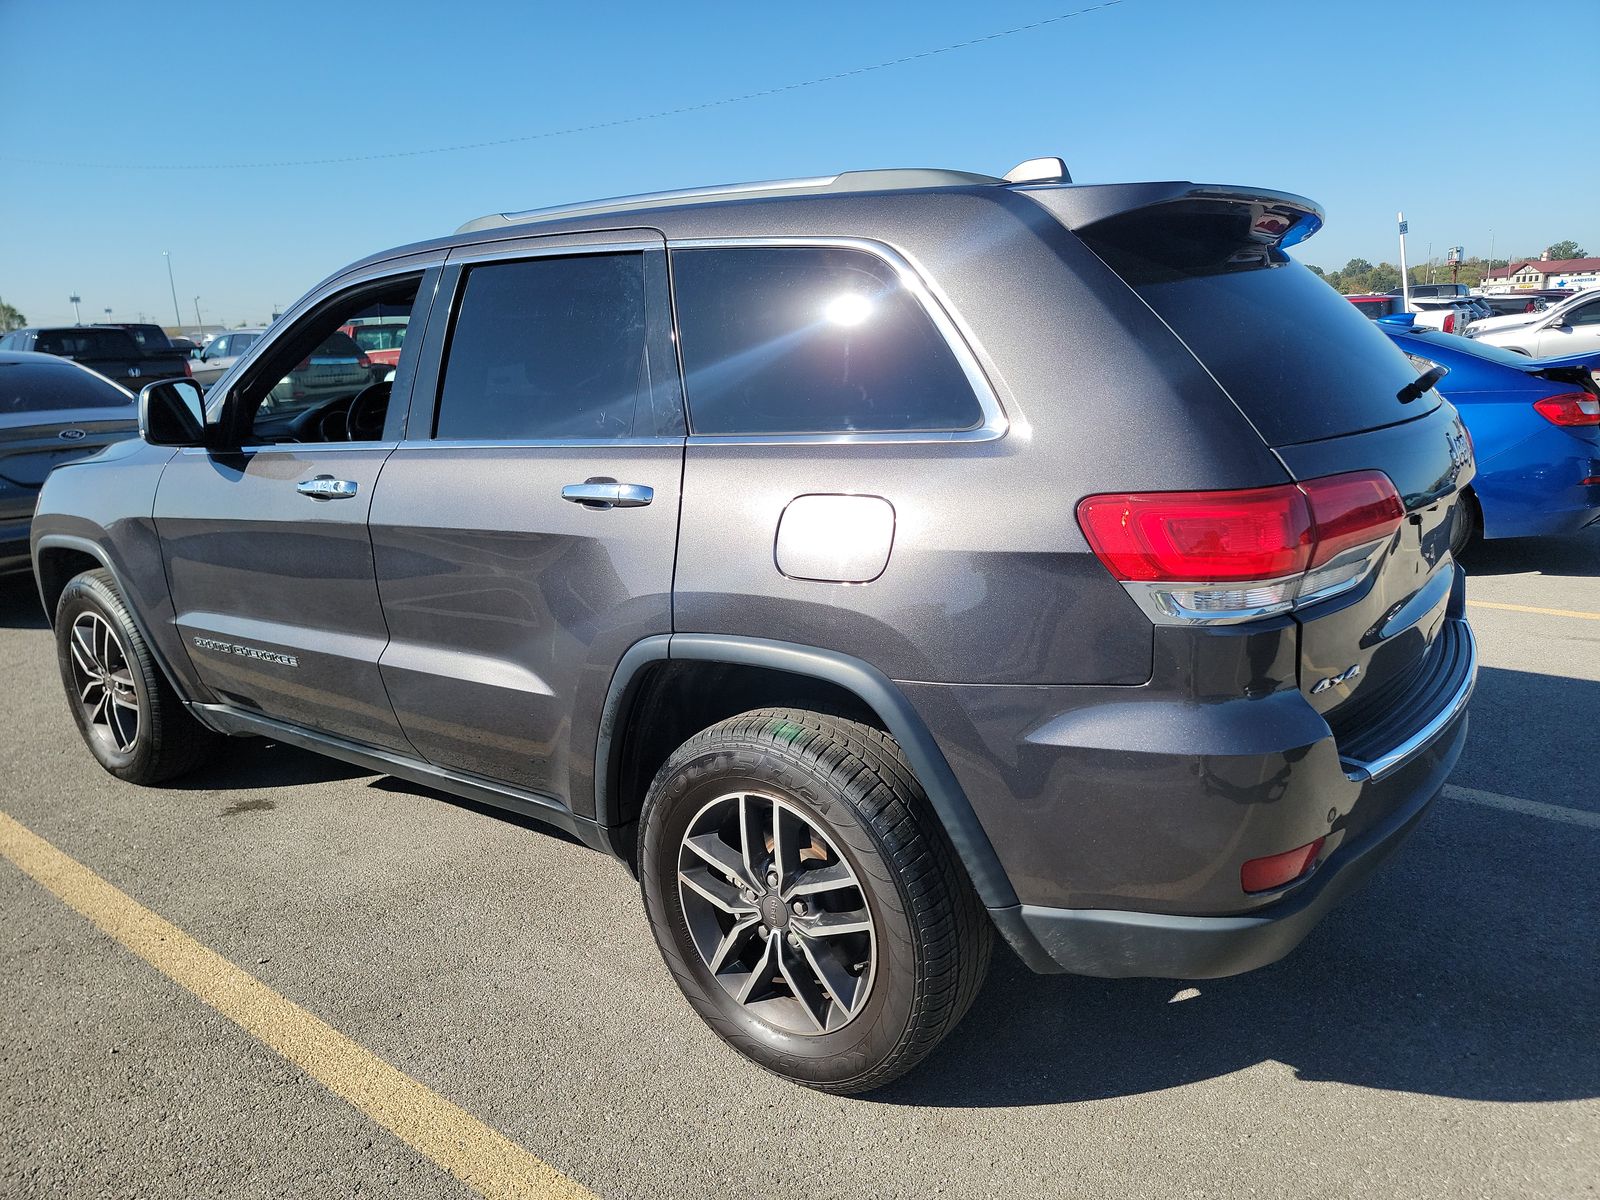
(873, 562)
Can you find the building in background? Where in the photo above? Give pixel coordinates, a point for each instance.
(1537, 274)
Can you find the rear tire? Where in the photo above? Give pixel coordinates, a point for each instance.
(806, 900)
(132, 721)
(1466, 525)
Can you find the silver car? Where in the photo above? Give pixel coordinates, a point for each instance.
(221, 352)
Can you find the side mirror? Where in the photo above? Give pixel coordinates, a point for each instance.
(172, 413)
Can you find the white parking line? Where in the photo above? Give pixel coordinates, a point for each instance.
(1528, 808)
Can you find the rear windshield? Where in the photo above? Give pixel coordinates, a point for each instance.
(49, 387)
(380, 337)
(150, 337)
(1299, 360)
(88, 343)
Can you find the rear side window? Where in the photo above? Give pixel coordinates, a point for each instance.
(47, 387)
(549, 348)
(811, 339)
(89, 343)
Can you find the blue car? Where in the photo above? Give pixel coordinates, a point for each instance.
(1535, 427)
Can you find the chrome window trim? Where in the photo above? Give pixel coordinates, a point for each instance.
(533, 443)
(561, 249)
(250, 449)
(994, 425)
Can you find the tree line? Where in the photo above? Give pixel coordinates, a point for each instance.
(1359, 275)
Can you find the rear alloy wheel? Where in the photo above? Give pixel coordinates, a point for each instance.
(807, 901)
(132, 721)
(777, 913)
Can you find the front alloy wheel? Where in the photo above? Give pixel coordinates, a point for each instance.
(103, 679)
(776, 913)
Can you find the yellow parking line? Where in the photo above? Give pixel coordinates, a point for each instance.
(486, 1161)
(1528, 608)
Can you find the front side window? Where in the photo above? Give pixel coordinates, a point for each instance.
(811, 340)
(550, 348)
(1588, 314)
(314, 384)
(216, 348)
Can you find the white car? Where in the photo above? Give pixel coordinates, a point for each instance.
(1571, 327)
(1447, 314)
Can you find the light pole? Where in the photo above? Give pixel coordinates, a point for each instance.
(108, 316)
(178, 316)
(197, 321)
(77, 317)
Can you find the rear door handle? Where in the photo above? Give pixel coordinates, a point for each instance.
(608, 493)
(326, 487)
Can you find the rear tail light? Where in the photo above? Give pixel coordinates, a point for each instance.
(1265, 874)
(362, 360)
(188, 371)
(1449, 322)
(1572, 408)
(1224, 557)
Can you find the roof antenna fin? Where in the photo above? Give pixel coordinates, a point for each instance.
(1039, 170)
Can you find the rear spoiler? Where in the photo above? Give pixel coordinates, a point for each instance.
(1277, 219)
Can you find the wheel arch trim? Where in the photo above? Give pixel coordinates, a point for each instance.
(83, 545)
(862, 680)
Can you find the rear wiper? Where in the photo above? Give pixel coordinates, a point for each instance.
(1421, 384)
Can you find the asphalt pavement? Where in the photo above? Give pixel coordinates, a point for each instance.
(1438, 1035)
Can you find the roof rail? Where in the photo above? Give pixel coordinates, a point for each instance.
(897, 179)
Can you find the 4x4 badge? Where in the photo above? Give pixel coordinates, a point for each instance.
(1344, 676)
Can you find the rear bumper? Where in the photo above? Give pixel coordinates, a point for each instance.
(1114, 944)
(1122, 819)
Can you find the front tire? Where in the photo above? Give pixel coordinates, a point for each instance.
(132, 721)
(806, 901)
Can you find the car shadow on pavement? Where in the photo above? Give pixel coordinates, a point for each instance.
(1468, 967)
(1572, 557)
(250, 763)
(19, 603)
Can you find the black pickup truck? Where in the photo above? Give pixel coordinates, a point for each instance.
(108, 350)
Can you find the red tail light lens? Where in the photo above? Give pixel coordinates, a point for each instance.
(1352, 510)
(1449, 322)
(362, 360)
(1264, 874)
(1200, 537)
(1220, 557)
(1570, 409)
(188, 371)
(1226, 537)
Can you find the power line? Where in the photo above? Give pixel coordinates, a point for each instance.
(592, 127)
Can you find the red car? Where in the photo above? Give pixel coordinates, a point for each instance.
(1373, 306)
(380, 340)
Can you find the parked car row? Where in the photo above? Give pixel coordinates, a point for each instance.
(110, 350)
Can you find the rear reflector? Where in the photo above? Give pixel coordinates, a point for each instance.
(1270, 547)
(1571, 409)
(1265, 874)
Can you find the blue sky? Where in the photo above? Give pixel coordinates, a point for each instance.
(1366, 107)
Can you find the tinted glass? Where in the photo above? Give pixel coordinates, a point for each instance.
(811, 339)
(89, 343)
(240, 342)
(549, 348)
(46, 387)
(150, 337)
(1588, 314)
(1296, 357)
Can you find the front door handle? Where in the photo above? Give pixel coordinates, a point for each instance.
(608, 493)
(326, 487)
